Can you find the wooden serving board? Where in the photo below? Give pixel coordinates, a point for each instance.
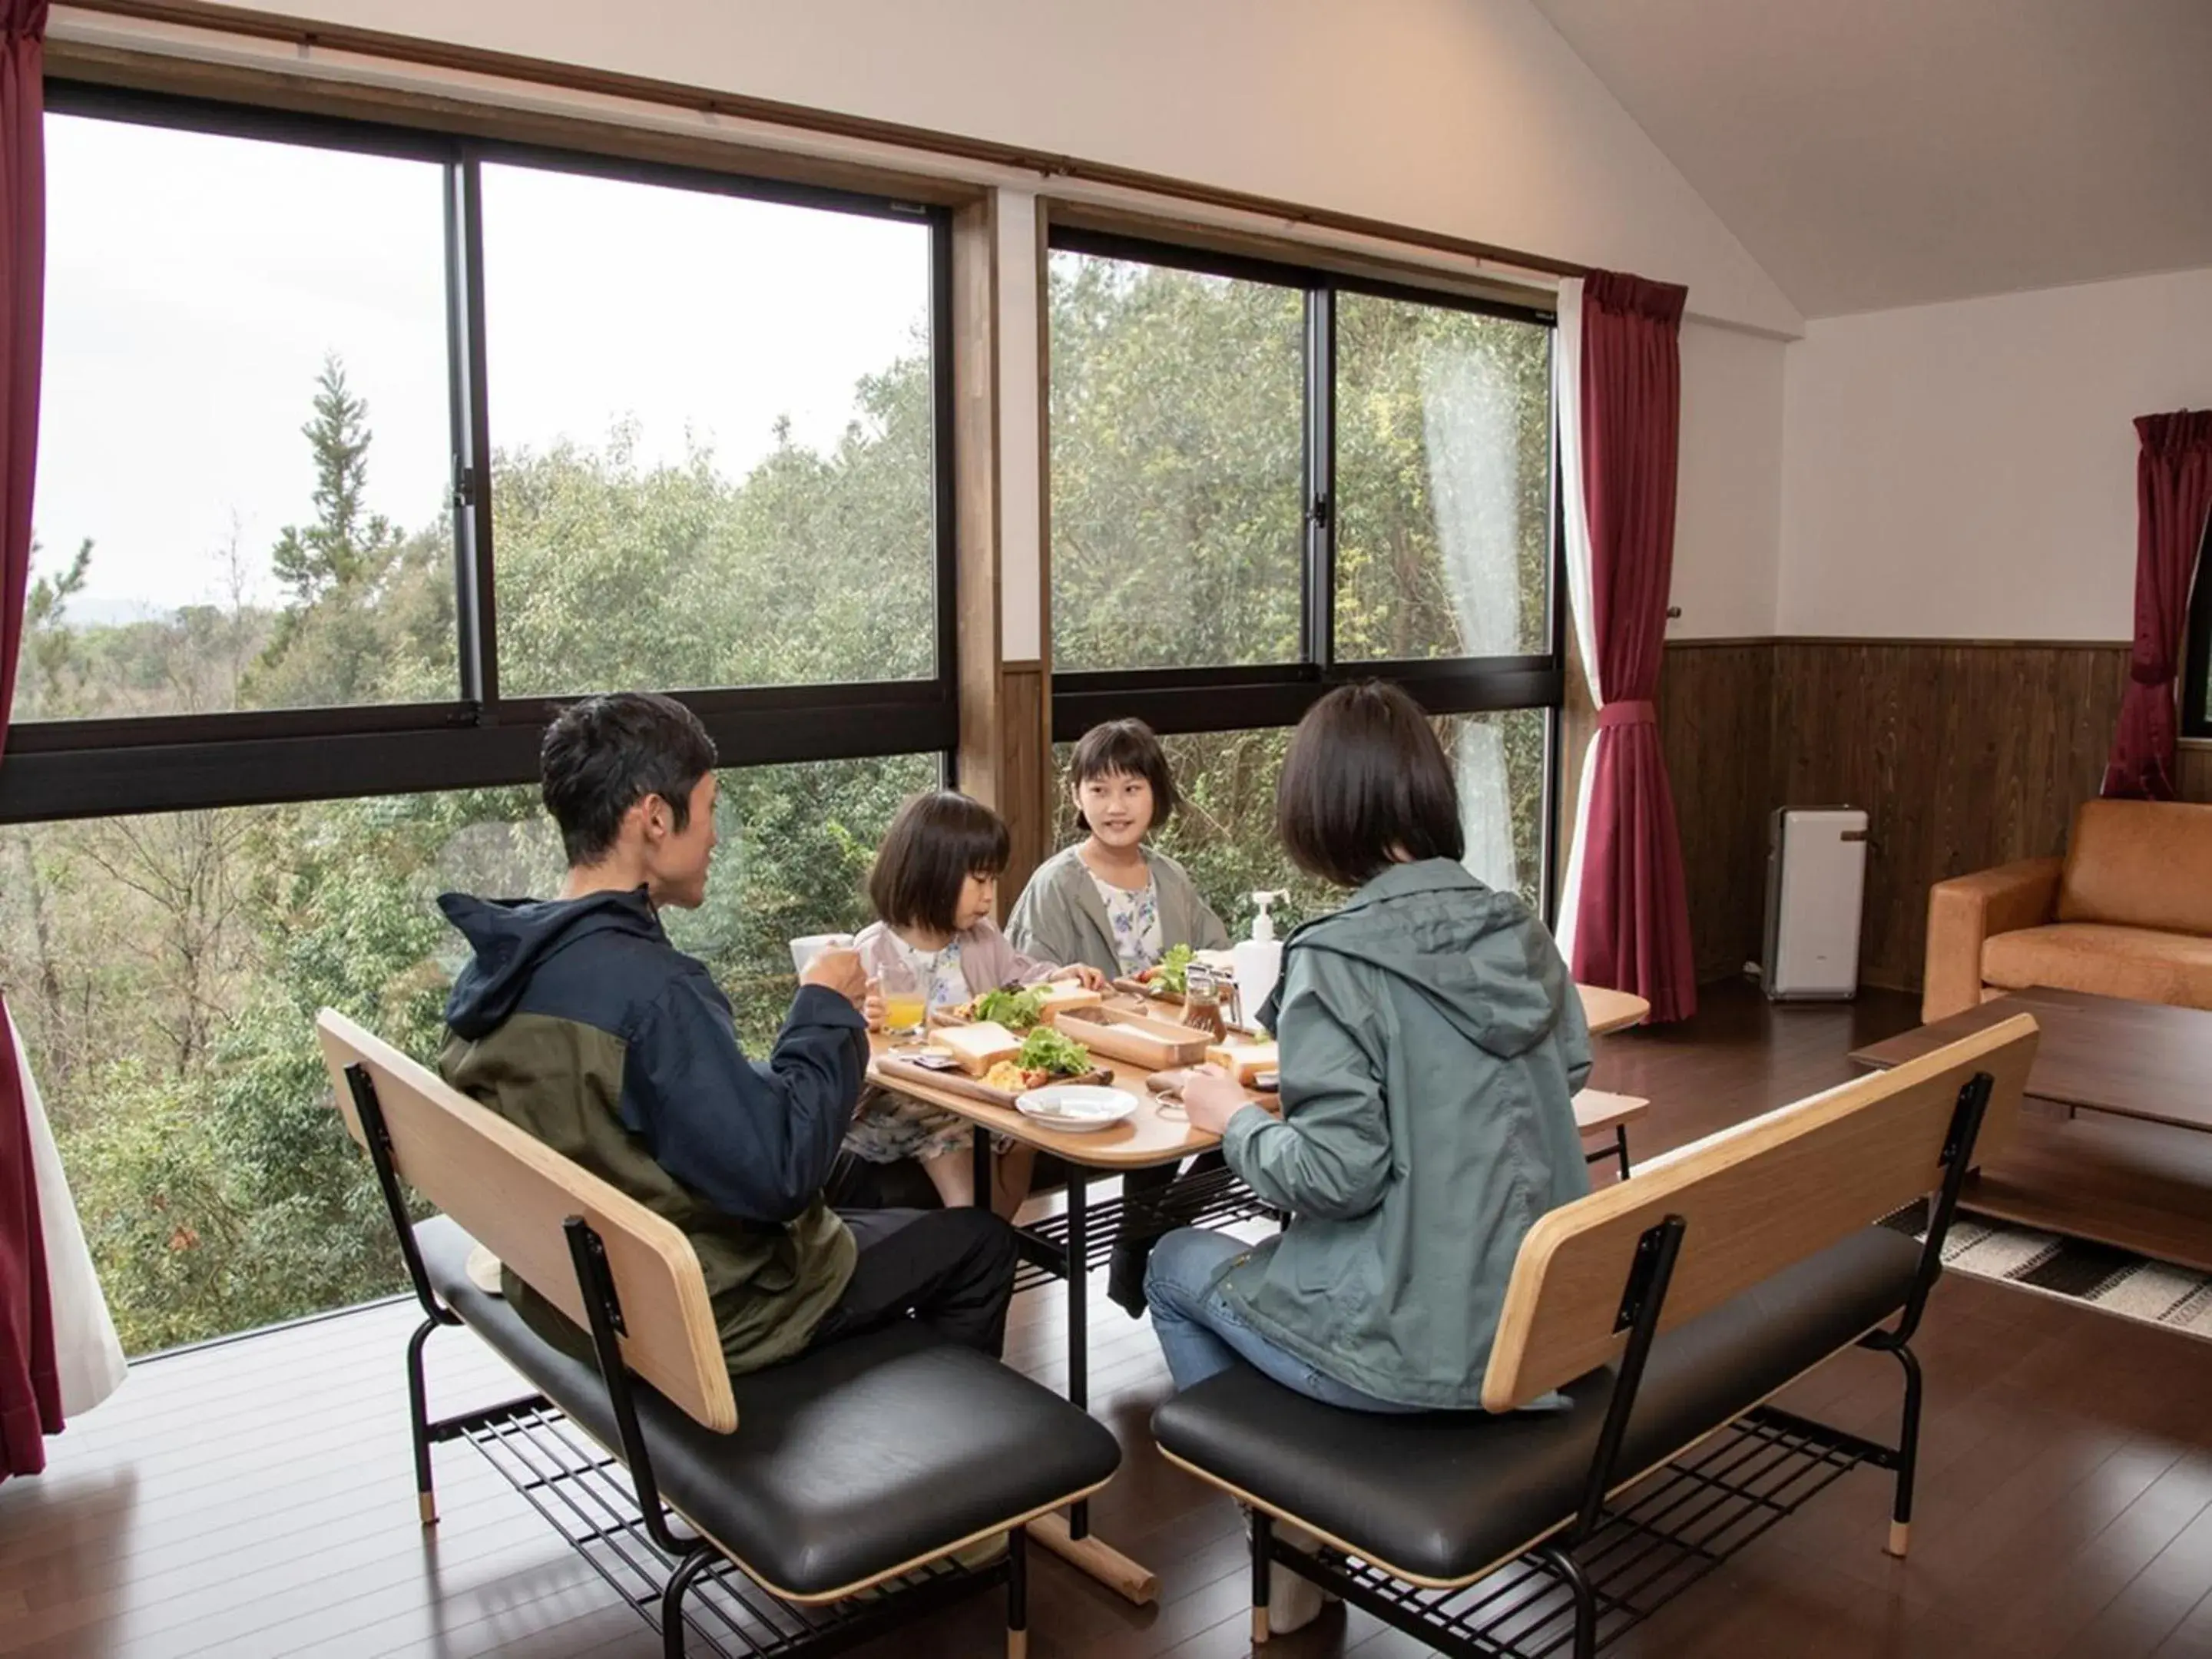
(1142, 989)
(1140, 1039)
(959, 1083)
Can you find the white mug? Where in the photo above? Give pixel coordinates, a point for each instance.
(803, 951)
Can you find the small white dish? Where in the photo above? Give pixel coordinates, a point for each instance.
(1078, 1108)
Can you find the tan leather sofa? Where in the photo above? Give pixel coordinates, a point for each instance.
(2126, 913)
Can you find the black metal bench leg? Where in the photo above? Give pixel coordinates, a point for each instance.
(1578, 1583)
(418, 1420)
(1017, 1594)
(672, 1643)
(1908, 1448)
(1621, 1147)
(1263, 1541)
(1078, 1320)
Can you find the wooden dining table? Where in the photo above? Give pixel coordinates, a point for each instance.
(1067, 1245)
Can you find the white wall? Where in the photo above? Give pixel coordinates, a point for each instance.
(1467, 117)
(1967, 471)
(1727, 503)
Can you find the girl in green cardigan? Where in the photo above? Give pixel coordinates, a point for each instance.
(1113, 903)
(1109, 900)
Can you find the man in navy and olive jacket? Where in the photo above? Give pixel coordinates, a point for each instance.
(579, 1022)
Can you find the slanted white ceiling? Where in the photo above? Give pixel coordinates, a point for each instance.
(1872, 154)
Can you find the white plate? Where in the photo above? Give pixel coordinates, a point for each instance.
(1078, 1108)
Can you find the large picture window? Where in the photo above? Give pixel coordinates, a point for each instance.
(362, 445)
(1268, 480)
(360, 448)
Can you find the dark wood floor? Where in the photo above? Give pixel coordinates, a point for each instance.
(254, 1499)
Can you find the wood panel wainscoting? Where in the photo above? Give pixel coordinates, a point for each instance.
(1965, 753)
(2195, 782)
(1715, 726)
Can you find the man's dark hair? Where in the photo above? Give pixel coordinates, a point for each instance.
(1129, 748)
(602, 755)
(936, 842)
(1365, 779)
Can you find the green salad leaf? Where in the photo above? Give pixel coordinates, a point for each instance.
(1017, 1011)
(1173, 975)
(1047, 1049)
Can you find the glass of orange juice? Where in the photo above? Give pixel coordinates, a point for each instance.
(906, 1001)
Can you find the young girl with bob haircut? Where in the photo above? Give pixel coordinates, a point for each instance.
(1113, 903)
(1109, 901)
(934, 885)
(1433, 1042)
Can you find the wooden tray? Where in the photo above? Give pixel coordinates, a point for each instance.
(1158, 1045)
(1137, 988)
(1142, 989)
(959, 1083)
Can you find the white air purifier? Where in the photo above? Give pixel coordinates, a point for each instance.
(1815, 888)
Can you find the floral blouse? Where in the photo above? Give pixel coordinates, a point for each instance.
(1133, 914)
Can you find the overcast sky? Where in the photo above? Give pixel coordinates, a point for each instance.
(195, 284)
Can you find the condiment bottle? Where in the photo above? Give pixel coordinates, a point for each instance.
(1201, 1002)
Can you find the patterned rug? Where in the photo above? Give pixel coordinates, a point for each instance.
(2114, 1281)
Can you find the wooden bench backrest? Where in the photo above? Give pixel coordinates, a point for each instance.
(1757, 1199)
(512, 1193)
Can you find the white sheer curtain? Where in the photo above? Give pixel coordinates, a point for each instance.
(1567, 405)
(1471, 418)
(87, 1356)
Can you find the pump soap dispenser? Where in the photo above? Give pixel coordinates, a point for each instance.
(1257, 962)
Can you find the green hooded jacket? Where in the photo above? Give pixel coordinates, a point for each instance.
(1433, 1042)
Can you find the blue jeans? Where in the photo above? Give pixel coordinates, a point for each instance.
(1203, 1334)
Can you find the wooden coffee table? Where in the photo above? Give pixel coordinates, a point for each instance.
(2116, 1144)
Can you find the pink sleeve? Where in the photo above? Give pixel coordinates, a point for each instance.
(990, 951)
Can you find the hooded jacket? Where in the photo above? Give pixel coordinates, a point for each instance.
(1433, 1044)
(579, 1023)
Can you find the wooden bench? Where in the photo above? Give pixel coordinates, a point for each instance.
(1669, 1309)
(859, 1471)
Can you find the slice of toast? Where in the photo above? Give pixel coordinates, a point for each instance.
(1244, 1061)
(978, 1047)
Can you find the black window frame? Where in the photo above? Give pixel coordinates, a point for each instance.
(1223, 699)
(62, 770)
(2196, 654)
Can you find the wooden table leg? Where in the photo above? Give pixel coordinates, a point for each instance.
(1131, 1579)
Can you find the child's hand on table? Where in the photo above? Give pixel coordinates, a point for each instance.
(1211, 1097)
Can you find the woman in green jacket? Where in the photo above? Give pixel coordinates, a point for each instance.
(1433, 1042)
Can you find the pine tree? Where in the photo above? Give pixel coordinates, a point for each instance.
(340, 547)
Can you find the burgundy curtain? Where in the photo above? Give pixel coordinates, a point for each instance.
(1632, 928)
(2174, 494)
(30, 1391)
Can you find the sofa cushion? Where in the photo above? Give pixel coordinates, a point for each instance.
(2135, 963)
(847, 1463)
(2140, 864)
(1443, 1495)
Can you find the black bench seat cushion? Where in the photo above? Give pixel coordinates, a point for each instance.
(1442, 1496)
(846, 1463)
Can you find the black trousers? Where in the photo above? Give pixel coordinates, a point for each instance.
(951, 1269)
(1149, 1210)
